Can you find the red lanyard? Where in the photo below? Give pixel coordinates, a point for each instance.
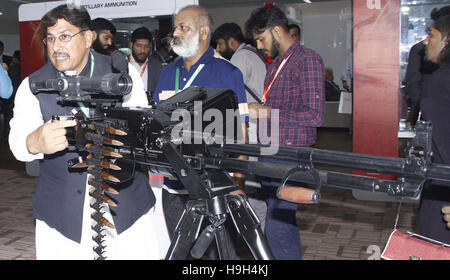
(269, 85)
(143, 69)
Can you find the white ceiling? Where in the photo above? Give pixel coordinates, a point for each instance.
(237, 3)
(9, 8)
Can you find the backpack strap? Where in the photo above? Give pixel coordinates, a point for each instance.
(258, 53)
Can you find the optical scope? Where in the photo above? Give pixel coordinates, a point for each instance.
(82, 88)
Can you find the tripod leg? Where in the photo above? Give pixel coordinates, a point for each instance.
(248, 226)
(204, 240)
(186, 231)
(225, 247)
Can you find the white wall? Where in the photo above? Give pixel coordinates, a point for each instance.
(326, 28)
(11, 42)
(235, 14)
(133, 24)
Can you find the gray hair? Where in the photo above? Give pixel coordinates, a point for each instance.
(203, 19)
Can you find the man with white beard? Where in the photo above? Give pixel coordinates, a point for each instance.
(196, 67)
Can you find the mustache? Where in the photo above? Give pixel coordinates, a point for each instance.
(138, 58)
(59, 54)
(176, 41)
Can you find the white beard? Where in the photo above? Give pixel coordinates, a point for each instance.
(187, 48)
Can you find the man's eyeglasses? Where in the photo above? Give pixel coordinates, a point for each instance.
(50, 39)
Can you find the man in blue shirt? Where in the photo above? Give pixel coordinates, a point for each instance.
(6, 90)
(196, 67)
(6, 87)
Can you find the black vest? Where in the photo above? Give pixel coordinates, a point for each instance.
(59, 196)
(154, 69)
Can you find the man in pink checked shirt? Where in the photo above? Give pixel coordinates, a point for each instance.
(294, 86)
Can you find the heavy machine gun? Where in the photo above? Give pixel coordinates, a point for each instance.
(112, 140)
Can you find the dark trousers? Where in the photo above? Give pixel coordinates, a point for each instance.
(282, 231)
(6, 114)
(2, 124)
(173, 206)
(431, 220)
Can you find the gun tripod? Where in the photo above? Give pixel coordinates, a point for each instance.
(189, 241)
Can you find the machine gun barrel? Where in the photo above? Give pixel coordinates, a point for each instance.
(327, 178)
(439, 172)
(406, 167)
(150, 141)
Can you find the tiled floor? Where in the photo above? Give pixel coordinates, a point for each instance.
(16, 220)
(339, 227)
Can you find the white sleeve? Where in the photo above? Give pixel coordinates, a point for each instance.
(137, 97)
(26, 119)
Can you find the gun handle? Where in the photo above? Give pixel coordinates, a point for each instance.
(299, 195)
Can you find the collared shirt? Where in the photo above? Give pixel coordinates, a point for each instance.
(6, 87)
(216, 73)
(299, 95)
(142, 70)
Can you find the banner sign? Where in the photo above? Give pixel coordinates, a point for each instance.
(108, 8)
(30, 27)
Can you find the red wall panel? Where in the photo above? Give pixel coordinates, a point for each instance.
(376, 31)
(31, 46)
